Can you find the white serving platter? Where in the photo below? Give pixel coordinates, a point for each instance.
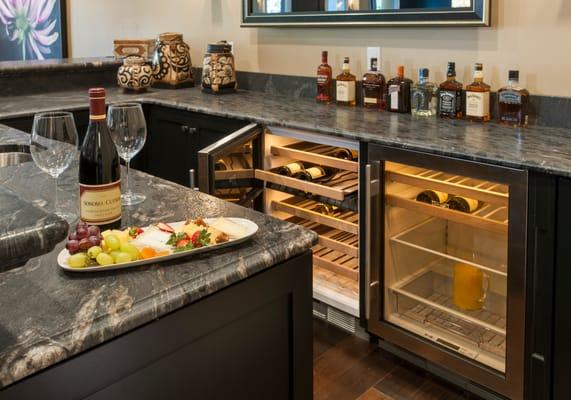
(250, 228)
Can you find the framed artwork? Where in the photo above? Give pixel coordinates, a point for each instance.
(32, 29)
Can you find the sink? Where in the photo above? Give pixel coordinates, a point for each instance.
(14, 154)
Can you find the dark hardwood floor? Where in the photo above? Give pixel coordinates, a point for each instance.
(346, 367)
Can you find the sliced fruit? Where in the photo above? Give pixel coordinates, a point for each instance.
(148, 252)
(182, 243)
(131, 250)
(121, 258)
(165, 227)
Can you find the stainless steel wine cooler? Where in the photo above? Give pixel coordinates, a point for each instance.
(446, 262)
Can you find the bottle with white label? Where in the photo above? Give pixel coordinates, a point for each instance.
(478, 97)
(346, 86)
(398, 92)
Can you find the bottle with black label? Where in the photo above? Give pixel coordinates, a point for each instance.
(346, 154)
(432, 197)
(99, 169)
(292, 169)
(513, 102)
(450, 95)
(318, 174)
(463, 204)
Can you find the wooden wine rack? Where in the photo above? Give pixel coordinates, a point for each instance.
(314, 154)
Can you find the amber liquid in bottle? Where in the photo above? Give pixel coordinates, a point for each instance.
(478, 97)
(346, 86)
(398, 92)
(450, 95)
(513, 103)
(324, 80)
(374, 87)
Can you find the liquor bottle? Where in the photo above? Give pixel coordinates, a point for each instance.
(423, 95)
(324, 80)
(317, 174)
(463, 204)
(478, 97)
(432, 197)
(450, 95)
(346, 86)
(398, 92)
(513, 102)
(292, 169)
(374, 87)
(99, 170)
(345, 154)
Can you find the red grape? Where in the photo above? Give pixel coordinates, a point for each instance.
(84, 244)
(73, 236)
(72, 246)
(93, 230)
(81, 224)
(94, 240)
(82, 233)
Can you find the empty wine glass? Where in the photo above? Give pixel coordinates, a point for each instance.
(129, 131)
(53, 146)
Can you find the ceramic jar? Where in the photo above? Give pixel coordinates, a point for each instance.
(135, 75)
(171, 62)
(218, 71)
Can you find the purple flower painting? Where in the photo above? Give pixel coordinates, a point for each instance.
(30, 29)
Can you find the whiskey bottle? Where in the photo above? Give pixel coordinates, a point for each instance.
(373, 87)
(292, 169)
(423, 95)
(478, 97)
(346, 86)
(345, 154)
(513, 102)
(463, 204)
(398, 92)
(324, 80)
(432, 197)
(317, 174)
(450, 95)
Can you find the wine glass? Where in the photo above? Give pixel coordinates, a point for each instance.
(128, 129)
(53, 146)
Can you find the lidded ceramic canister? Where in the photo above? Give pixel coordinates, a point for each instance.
(171, 62)
(218, 71)
(135, 75)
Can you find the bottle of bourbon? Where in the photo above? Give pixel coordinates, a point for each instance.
(513, 102)
(324, 80)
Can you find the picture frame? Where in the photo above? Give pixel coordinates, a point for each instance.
(33, 30)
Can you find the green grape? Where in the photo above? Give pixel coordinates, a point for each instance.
(112, 242)
(114, 253)
(93, 252)
(78, 260)
(131, 250)
(122, 258)
(104, 259)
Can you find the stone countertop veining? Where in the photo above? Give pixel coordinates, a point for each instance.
(13, 136)
(10, 68)
(542, 149)
(49, 315)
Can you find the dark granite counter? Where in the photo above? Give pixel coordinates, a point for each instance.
(49, 315)
(11, 68)
(13, 136)
(542, 149)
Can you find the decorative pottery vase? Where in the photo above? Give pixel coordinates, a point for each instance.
(135, 75)
(218, 72)
(171, 62)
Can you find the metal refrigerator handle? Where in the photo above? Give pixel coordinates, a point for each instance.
(368, 193)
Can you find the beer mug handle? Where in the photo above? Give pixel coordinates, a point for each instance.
(485, 287)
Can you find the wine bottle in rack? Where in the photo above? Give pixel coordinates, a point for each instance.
(463, 204)
(432, 197)
(345, 154)
(220, 165)
(318, 174)
(327, 209)
(99, 169)
(292, 169)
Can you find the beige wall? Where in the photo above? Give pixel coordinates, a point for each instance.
(530, 35)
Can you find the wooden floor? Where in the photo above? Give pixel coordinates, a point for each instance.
(348, 368)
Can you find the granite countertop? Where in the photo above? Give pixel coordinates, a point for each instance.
(10, 68)
(49, 315)
(542, 149)
(13, 136)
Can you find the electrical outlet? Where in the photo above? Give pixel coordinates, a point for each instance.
(373, 52)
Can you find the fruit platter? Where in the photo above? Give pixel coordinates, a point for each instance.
(89, 249)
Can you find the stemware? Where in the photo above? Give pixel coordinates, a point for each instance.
(53, 145)
(128, 129)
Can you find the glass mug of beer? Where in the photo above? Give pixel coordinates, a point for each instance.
(470, 287)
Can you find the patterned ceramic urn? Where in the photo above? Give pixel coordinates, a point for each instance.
(135, 75)
(171, 62)
(218, 72)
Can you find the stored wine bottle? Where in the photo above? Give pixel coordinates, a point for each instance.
(317, 174)
(346, 154)
(292, 169)
(327, 209)
(99, 170)
(463, 204)
(432, 197)
(220, 165)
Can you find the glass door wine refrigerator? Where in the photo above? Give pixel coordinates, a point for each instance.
(445, 276)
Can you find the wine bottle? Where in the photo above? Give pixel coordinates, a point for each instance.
(220, 165)
(432, 197)
(463, 204)
(318, 174)
(292, 169)
(99, 169)
(345, 154)
(327, 209)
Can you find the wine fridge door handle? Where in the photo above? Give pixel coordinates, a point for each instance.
(192, 176)
(368, 213)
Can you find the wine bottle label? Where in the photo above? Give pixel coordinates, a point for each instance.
(394, 94)
(510, 97)
(477, 104)
(316, 172)
(449, 102)
(322, 79)
(100, 204)
(370, 100)
(346, 91)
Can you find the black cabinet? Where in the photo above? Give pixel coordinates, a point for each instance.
(174, 138)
